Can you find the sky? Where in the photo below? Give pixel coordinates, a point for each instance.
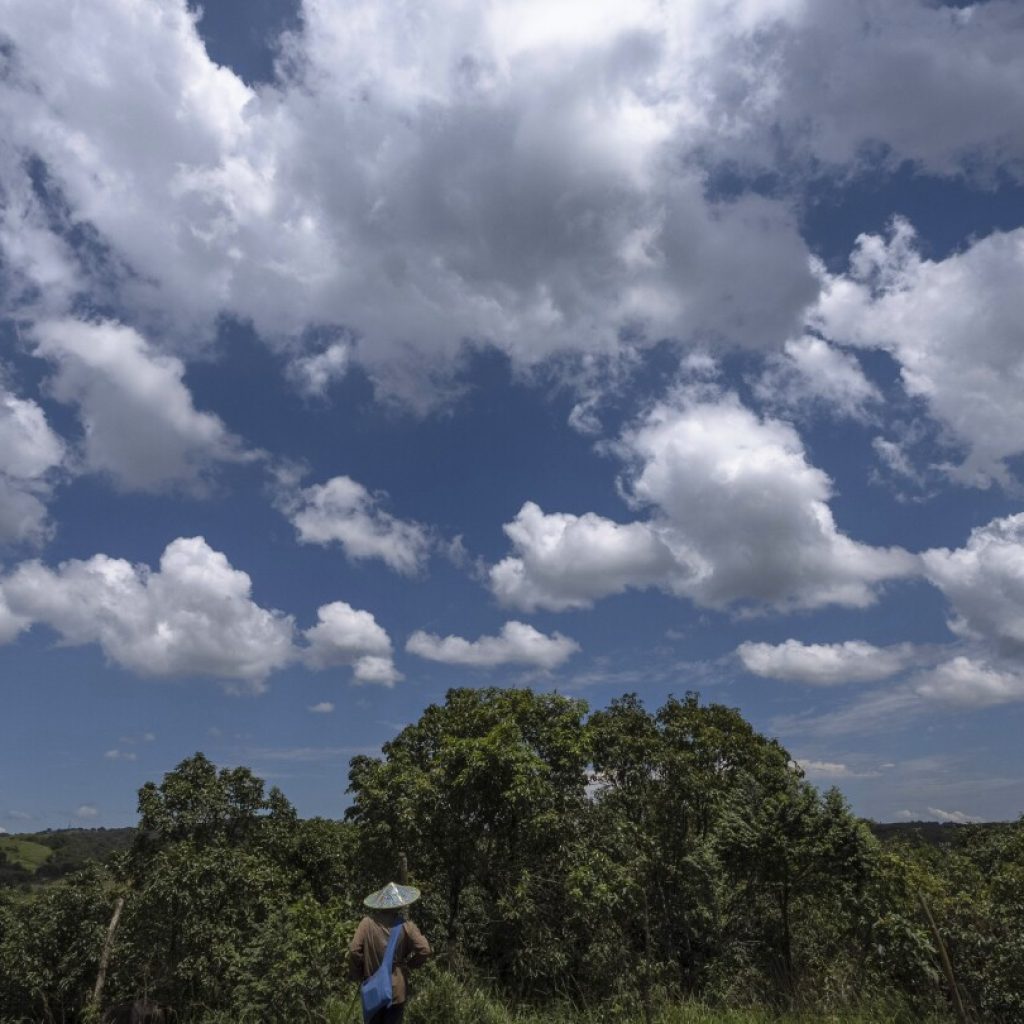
(351, 351)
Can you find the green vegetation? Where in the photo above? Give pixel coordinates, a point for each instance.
(620, 866)
(37, 857)
(22, 852)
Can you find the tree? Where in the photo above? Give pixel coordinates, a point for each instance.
(484, 792)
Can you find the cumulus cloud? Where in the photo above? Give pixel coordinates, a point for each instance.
(325, 707)
(501, 173)
(140, 424)
(953, 325)
(812, 373)
(738, 514)
(30, 453)
(315, 372)
(516, 644)
(984, 583)
(193, 616)
(566, 561)
(853, 661)
(846, 82)
(41, 276)
(519, 182)
(343, 511)
(10, 624)
(969, 683)
(87, 812)
(344, 635)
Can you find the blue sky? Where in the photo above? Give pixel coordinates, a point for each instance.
(352, 351)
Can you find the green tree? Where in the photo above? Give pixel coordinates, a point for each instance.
(484, 793)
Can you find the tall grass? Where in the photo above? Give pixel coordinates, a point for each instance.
(441, 998)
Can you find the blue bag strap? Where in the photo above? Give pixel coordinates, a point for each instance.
(389, 952)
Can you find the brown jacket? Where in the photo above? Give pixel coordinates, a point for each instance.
(366, 952)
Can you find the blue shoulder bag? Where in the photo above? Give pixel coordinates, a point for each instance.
(376, 990)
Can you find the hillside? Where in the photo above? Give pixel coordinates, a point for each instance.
(42, 856)
(36, 857)
(931, 833)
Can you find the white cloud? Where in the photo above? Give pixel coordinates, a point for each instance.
(832, 770)
(737, 515)
(566, 561)
(140, 424)
(193, 616)
(925, 82)
(345, 636)
(508, 172)
(954, 327)
(853, 661)
(984, 582)
(343, 511)
(958, 817)
(30, 452)
(87, 812)
(40, 272)
(967, 683)
(373, 668)
(810, 372)
(517, 644)
(11, 625)
(314, 373)
(537, 189)
(325, 707)
(121, 755)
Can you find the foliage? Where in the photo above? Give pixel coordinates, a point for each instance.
(621, 866)
(49, 947)
(35, 857)
(22, 852)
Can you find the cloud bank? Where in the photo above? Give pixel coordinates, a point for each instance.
(511, 174)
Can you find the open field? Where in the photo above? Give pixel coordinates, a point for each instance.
(25, 853)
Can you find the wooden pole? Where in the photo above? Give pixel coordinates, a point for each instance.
(947, 964)
(108, 944)
(403, 869)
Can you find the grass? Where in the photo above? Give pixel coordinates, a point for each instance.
(442, 997)
(25, 853)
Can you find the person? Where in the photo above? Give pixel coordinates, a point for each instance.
(366, 951)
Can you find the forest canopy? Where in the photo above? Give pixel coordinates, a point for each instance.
(612, 865)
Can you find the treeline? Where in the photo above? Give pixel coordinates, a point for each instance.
(62, 851)
(605, 866)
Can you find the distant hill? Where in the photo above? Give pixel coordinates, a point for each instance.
(928, 833)
(23, 852)
(34, 857)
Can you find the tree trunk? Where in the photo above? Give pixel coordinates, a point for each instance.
(108, 943)
(787, 942)
(947, 964)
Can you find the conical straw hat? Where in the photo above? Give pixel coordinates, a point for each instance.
(392, 897)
